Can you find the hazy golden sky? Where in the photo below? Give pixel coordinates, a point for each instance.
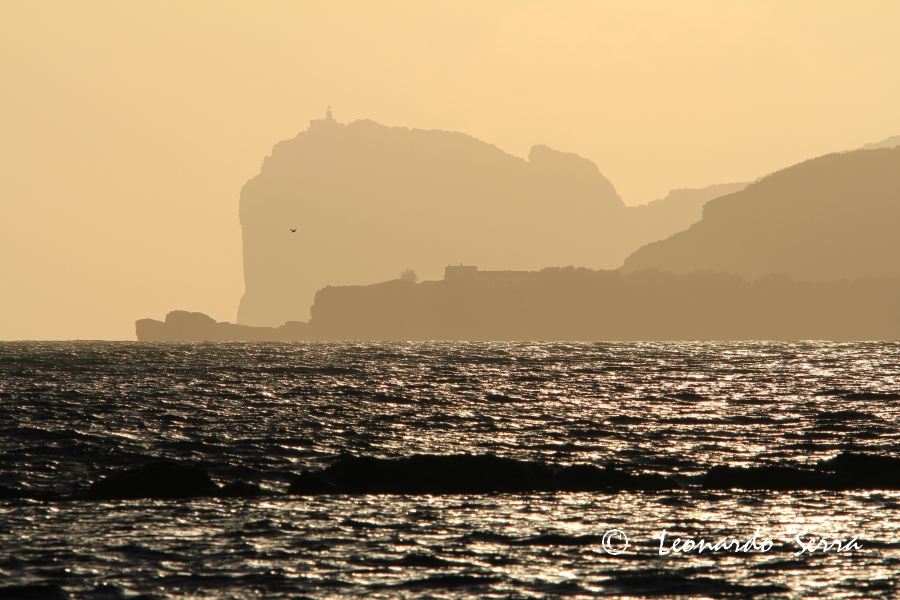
(128, 128)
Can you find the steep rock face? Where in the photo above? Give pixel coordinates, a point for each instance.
(369, 200)
(830, 218)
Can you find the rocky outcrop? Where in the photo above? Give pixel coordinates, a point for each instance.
(164, 479)
(830, 218)
(864, 471)
(36, 591)
(846, 471)
(482, 474)
(465, 474)
(181, 325)
(776, 478)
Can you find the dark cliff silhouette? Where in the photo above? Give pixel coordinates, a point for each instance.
(579, 304)
(367, 200)
(830, 218)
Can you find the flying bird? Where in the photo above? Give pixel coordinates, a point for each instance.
(293, 231)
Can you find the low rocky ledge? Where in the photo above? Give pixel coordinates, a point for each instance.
(166, 480)
(413, 475)
(184, 326)
(846, 471)
(478, 474)
(466, 474)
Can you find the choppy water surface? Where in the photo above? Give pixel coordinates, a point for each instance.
(71, 412)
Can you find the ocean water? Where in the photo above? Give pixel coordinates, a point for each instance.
(262, 412)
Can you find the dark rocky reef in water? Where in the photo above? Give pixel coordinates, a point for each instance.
(769, 477)
(432, 474)
(39, 591)
(466, 474)
(181, 325)
(165, 480)
(846, 471)
(590, 478)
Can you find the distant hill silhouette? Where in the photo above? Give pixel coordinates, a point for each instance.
(679, 210)
(891, 142)
(830, 218)
(369, 200)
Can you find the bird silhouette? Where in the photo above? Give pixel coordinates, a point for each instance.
(293, 231)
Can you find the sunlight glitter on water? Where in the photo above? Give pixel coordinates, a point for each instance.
(262, 412)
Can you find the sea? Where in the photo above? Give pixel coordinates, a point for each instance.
(72, 412)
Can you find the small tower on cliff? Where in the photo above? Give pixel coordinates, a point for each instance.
(326, 124)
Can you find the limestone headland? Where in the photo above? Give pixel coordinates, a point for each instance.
(344, 204)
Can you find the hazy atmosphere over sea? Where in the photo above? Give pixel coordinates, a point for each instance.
(128, 130)
(495, 299)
